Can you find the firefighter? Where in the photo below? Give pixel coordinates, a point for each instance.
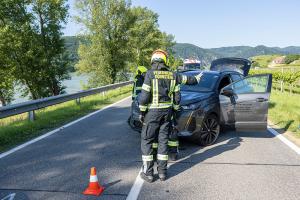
(160, 93)
(138, 81)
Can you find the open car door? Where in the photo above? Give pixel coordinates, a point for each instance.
(244, 103)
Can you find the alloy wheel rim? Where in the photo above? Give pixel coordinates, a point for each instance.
(209, 131)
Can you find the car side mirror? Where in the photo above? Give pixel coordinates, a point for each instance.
(227, 92)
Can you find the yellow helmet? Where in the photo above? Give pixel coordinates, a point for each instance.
(141, 69)
(160, 56)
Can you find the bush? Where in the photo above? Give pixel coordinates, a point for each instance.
(291, 58)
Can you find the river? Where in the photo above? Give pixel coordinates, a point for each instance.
(72, 85)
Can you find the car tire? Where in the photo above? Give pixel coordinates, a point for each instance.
(135, 125)
(209, 133)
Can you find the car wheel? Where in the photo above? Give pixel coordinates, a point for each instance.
(135, 125)
(209, 132)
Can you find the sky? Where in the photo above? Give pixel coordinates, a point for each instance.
(219, 23)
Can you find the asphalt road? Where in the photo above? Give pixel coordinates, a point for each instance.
(239, 166)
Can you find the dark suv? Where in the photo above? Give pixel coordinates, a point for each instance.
(225, 96)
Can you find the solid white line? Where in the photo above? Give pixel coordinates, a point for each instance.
(284, 140)
(10, 197)
(136, 188)
(2, 155)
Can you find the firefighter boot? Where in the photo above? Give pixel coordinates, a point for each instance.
(148, 178)
(173, 156)
(162, 176)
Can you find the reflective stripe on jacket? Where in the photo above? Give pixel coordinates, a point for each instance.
(161, 88)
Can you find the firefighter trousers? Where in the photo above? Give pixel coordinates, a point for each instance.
(173, 141)
(156, 127)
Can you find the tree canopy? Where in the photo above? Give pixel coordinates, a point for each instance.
(119, 37)
(31, 45)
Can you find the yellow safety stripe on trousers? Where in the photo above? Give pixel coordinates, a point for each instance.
(160, 105)
(138, 88)
(146, 87)
(143, 108)
(162, 157)
(155, 92)
(184, 79)
(173, 143)
(177, 88)
(147, 158)
(154, 145)
(176, 107)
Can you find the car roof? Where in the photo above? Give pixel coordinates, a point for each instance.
(198, 71)
(193, 72)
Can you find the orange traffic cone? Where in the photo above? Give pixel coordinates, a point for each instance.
(94, 187)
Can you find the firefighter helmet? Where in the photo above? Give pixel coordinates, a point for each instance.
(141, 70)
(160, 56)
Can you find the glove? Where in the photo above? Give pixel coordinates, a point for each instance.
(142, 117)
(198, 77)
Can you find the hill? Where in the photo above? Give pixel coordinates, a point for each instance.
(186, 50)
(263, 60)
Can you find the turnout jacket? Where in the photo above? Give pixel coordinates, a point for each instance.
(137, 87)
(161, 88)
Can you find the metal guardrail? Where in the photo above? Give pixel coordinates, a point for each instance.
(31, 106)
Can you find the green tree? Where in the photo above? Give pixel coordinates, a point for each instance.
(145, 35)
(175, 62)
(49, 15)
(6, 87)
(31, 45)
(107, 24)
(167, 42)
(291, 58)
(117, 36)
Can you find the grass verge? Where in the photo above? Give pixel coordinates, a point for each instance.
(17, 129)
(284, 111)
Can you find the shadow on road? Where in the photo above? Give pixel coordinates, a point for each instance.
(59, 165)
(192, 158)
(192, 154)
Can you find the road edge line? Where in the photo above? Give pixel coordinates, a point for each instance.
(136, 188)
(4, 154)
(284, 140)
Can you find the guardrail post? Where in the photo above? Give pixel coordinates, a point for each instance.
(31, 115)
(77, 101)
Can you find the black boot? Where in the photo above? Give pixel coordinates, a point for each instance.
(148, 178)
(162, 176)
(173, 156)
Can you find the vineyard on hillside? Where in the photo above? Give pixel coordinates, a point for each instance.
(283, 80)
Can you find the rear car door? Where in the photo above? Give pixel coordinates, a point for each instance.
(244, 103)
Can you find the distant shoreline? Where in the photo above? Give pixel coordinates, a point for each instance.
(73, 85)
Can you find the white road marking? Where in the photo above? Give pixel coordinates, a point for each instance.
(136, 188)
(284, 140)
(2, 155)
(9, 197)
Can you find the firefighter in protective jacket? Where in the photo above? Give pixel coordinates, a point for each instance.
(138, 81)
(160, 94)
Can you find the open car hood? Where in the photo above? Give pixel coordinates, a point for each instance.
(231, 64)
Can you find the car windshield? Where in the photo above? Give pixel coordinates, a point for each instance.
(206, 84)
